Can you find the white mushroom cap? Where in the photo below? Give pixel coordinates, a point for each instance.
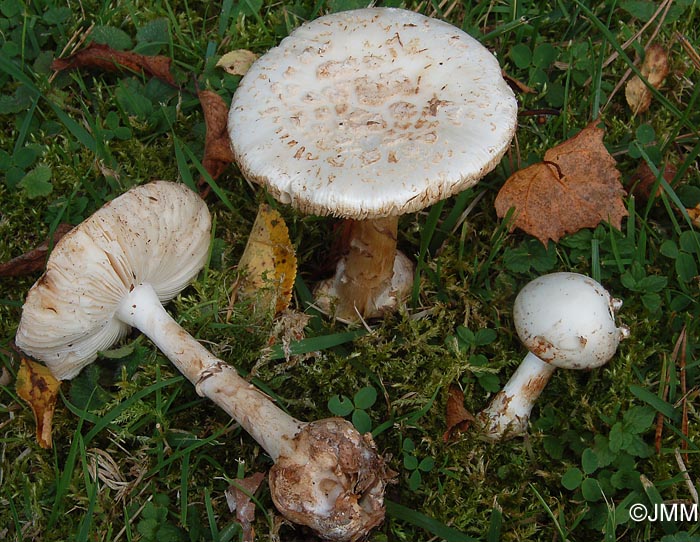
(568, 320)
(157, 233)
(370, 113)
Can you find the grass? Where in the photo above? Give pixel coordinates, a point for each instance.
(138, 456)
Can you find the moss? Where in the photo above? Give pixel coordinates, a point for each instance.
(469, 278)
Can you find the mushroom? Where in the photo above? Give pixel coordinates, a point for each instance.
(114, 271)
(565, 320)
(366, 115)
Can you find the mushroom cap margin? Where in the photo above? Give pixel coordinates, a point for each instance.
(157, 233)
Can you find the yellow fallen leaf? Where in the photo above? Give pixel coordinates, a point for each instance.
(695, 215)
(268, 263)
(237, 62)
(38, 387)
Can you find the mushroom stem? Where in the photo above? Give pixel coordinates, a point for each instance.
(372, 277)
(269, 425)
(568, 319)
(326, 475)
(509, 411)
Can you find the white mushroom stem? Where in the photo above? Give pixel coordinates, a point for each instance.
(326, 475)
(269, 425)
(372, 277)
(565, 320)
(509, 411)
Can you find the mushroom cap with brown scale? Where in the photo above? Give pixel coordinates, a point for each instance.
(371, 113)
(156, 233)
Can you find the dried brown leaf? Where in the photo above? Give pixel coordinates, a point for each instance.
(103, 57)
(217, 146)
(34, 260)
(642, 181)
(239, 501)
(576, 186)
(654, 69)
(38, 387)
(458, 418)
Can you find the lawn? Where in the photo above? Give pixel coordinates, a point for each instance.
(138, 455)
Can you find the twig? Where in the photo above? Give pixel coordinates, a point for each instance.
(692, 53)
(73, 44)
(664, 6)
(664, 394)
(686, 476)
(667, 5)
(684, 392)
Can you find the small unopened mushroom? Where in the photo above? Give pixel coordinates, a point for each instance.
(565, 320)
(366, 115)
(114, 271)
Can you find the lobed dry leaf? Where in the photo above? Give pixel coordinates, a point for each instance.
(103, 57)
(38, 387)
(237, 62)
(458, 418)
(34, 260)
(239, 501)
(268, 262)
(217, 145)
(576, 186)
(654, 69)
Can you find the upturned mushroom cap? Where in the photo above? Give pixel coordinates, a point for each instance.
(568, 320)
(157, 233)
(370, 113)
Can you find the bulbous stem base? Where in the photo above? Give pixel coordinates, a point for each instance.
(372, 277)
(333, 481)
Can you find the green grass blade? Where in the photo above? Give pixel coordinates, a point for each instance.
(665, 408)
(550, 513)
(426, 234)
(83, 534)
(657, 502)
(495, 524)
(63, 479)
(313, 344)
(210, 515)
(439, 529)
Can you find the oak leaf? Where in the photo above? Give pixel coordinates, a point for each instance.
(38, 387)
(217, 147)
(103, 57)
(458, 418)
(268, 263)
(576, 186)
